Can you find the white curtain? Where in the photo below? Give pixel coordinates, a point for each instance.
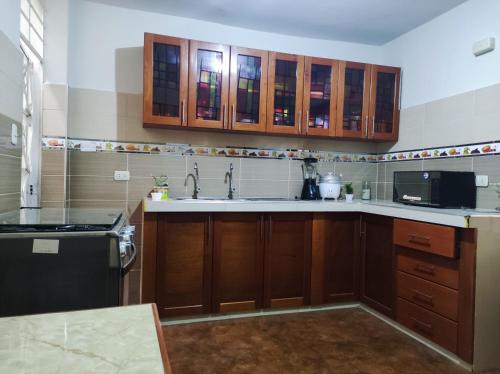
(31, 133)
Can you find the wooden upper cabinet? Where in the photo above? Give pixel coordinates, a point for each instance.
(248, 89)
(384, 103)
(284, 94)
(353, 100)
(208, 85)
(238, 262)
(320, 96)
(287, 264)
(165, 80)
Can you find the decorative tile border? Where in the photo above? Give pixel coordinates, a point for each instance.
(443, 152)
(89, 145)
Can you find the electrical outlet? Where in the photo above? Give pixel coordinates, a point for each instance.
(482, 181)
(122, 175)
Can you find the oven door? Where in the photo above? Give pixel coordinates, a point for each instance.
(84, 273)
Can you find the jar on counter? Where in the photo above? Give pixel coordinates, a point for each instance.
(366, 191)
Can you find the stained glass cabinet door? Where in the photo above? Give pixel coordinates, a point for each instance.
(384, 103)
(320, 96)
(165, 80)
(284, 93)
(248, 89)
(353, 100)
(208, 85)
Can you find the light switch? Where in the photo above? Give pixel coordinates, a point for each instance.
(13, 134)
(482, 181)
(123, 175)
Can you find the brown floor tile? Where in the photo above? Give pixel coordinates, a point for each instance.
(340, 341)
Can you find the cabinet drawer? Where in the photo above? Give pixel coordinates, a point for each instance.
(426, 237)
(431, 325)
(434, 268)
(432, 296)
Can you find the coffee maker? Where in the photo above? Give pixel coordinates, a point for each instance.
(310, 189)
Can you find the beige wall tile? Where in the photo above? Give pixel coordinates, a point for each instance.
(263, 188)
(55, 96)
(381, 173)
(10, 202)
(53, 162)
(10, 174)
(92, 126)
(105, 204)
(6, 147)
(97, 188)
(52, 204)
(487, 165)
(134, 211)
(96, 163)
(264, 169)
(391, 167)
(11, 97)
(486, 101)
(214, 167)
(356, 171)
(487, 198)
(54, 122)
(213, 188)
(295, 189)
(449, 164)
(52, 188)
(11, 60)
(144, 165)
(85, 101)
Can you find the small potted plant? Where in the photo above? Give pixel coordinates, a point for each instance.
(349, 193)
(160, 190)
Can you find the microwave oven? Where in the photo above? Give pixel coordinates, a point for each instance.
(438, 189)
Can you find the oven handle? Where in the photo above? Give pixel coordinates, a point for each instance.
(130, 262)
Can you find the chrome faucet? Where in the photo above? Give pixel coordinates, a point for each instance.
(229, 176)
(196, 181)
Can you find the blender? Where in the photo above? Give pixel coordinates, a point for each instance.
(310, 190)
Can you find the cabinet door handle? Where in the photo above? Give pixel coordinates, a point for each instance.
(307, 120)
(373, 126)
(424, 269)
(261, 228)
(224, 116)
(366, 126)
(183, 112)
(422, 297)
(422, 326)
(270, 228)
(233, 115)
(419, 239)
(300, 121)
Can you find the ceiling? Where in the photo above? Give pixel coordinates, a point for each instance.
(360, 21)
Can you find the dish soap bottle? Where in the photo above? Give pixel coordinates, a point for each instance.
(366, 191)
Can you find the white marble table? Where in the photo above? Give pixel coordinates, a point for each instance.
(112, 340)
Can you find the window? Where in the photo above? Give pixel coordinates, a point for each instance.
(32, 28)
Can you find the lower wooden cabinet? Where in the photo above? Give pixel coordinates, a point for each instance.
(377, 263)
(238, 262)
(342, 257)
(183, 264)
(287, 264)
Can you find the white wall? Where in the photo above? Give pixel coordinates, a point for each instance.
(99, 32)
(56, 36)
(9, 19)
(437, 57)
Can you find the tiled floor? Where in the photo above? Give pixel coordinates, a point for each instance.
(339, 341)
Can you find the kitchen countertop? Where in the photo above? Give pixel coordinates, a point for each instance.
(122, 339)
(450, 217)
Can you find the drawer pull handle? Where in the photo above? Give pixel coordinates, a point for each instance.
(424, 269)
(422, 297)
(422, 326)
(418, 239)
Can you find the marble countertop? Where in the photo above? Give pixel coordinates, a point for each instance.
(450, 217)
(111, 340)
